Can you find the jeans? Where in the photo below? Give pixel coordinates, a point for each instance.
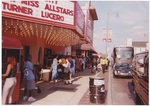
(54, 73)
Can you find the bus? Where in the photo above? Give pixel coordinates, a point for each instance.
(122, 57)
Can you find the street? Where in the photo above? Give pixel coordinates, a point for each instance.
(118, 91)
(121, 90)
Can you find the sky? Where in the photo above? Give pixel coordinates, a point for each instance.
(127, 19)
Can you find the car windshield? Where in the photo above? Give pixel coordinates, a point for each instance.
(123, 54)
(122, 65)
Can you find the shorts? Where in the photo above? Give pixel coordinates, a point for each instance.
(71, 70)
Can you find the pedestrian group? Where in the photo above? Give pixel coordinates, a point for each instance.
(62, 67)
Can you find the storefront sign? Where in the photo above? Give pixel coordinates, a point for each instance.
(50, 10)
(80, 20)
(88, 26)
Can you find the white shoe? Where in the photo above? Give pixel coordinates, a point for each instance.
(31, 99)
(25, 98)
(55, 80)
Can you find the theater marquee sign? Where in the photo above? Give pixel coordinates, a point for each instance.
(60, 12)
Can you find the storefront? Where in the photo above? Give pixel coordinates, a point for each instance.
(43, 27)
(83, 50)
(87, 48)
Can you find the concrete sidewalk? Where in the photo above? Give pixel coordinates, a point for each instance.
(60, 94)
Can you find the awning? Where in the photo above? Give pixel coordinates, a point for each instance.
(52, 35)
(11, 43)
(87, 46)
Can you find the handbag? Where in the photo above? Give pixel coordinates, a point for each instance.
(66, 70)
(59, 70)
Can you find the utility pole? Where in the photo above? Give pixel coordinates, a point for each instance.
(107, 31)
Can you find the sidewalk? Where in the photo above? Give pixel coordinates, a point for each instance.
(60, 94)
(85, 100)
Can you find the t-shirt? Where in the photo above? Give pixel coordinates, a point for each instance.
(103, 61)
(71, 64)
(54, 62)
(29, 73)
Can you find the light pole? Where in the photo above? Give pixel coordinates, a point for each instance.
(107, 31)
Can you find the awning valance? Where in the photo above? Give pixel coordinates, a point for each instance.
(87, 46)
(11, 43)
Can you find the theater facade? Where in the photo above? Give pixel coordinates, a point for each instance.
(46, 27)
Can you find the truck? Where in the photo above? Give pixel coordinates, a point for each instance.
(140, 80)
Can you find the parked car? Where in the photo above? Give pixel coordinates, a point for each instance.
(141, 78)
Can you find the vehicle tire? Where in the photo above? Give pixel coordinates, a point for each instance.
(137, 99)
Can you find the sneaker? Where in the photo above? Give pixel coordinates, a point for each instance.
(25, 98)
(55, 81)
(31, 99)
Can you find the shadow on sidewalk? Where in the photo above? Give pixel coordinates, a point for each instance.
(48, 88)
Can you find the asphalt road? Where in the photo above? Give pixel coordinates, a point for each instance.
(121, 90)
(118, 91)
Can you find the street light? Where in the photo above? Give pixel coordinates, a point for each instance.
(108, 31)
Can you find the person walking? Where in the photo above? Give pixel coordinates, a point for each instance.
(77, 64)
(74, 64)
(29, 80)
(103, 63)
(61, 62)
(83, 62)
(107, 66)
(93, 64)
(54, 69)
(71, 70)
(10, 80)
(66, 71)
(22, 67)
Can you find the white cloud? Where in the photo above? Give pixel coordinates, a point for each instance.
(139, 27)
(129, 22)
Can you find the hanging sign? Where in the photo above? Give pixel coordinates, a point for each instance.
(107, 35)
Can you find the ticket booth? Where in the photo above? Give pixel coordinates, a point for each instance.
(12, 46)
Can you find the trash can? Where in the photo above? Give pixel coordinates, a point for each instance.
(46, 74)
(97, 89)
